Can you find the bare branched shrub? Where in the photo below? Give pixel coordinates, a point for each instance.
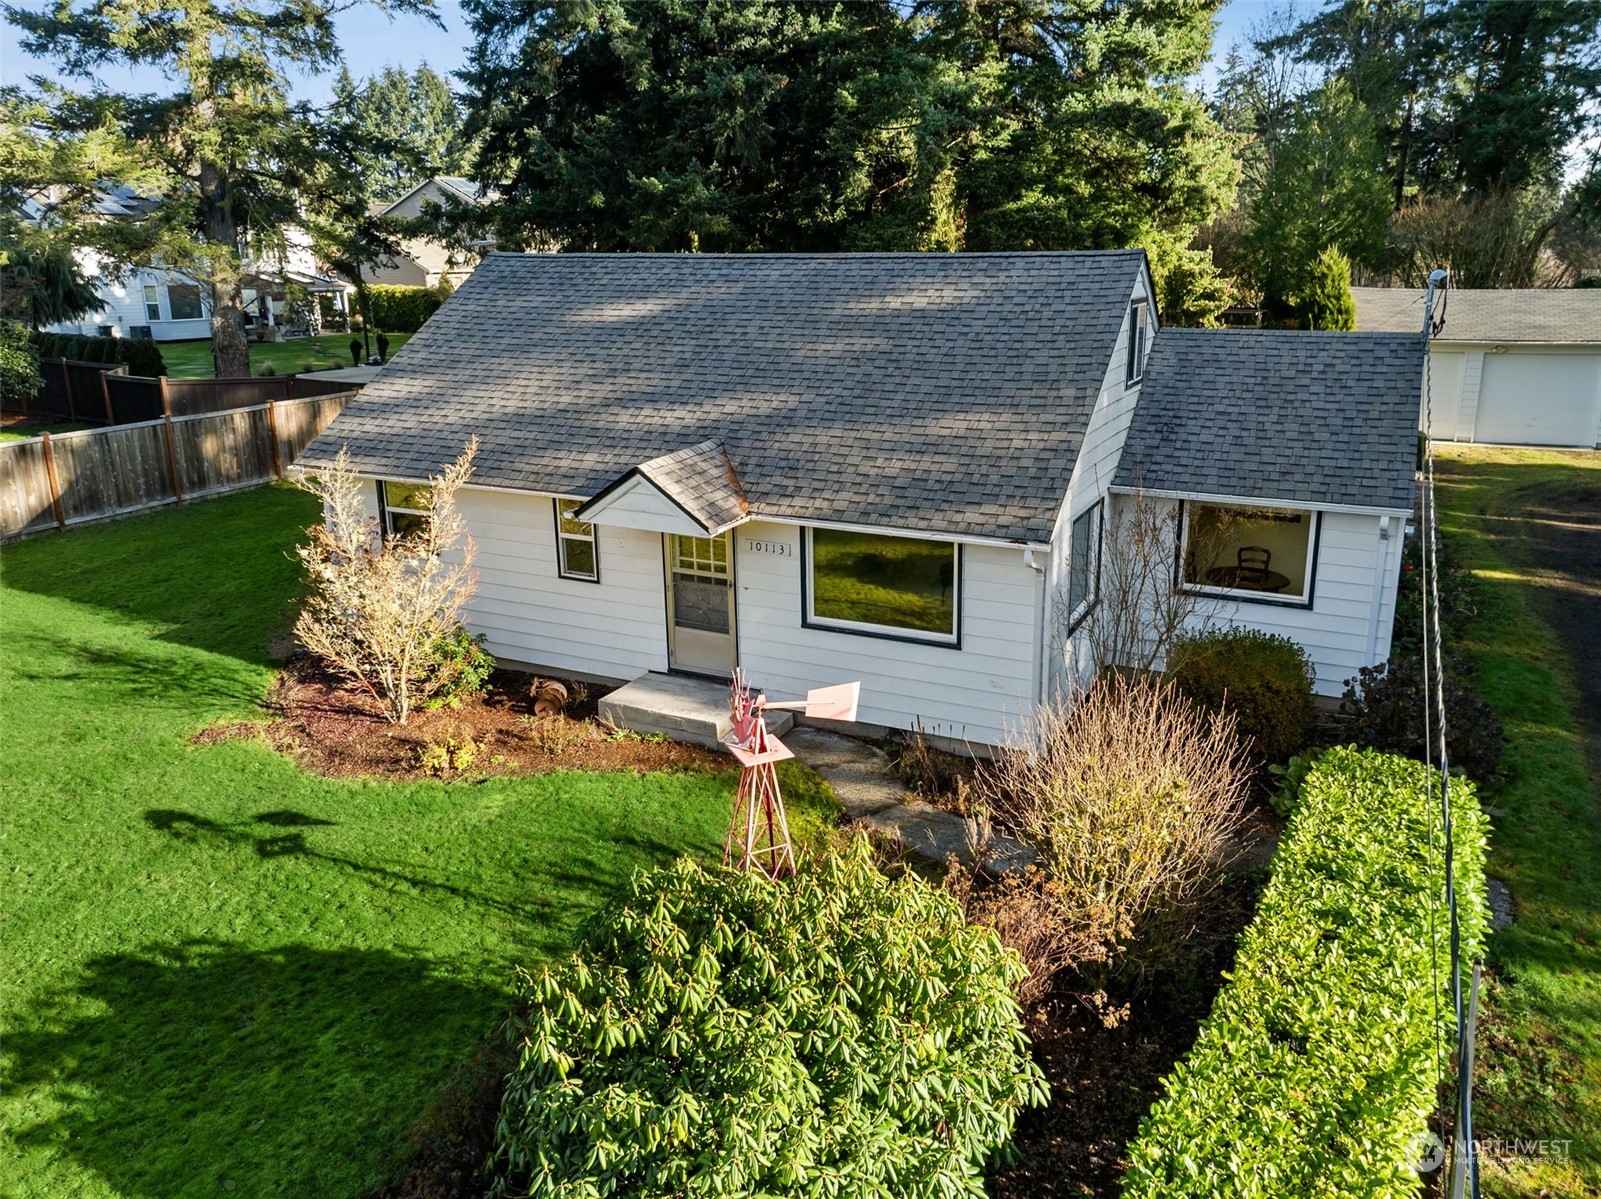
(1142, 609)
(1129, 798)
(1027, 910)
(377, 606)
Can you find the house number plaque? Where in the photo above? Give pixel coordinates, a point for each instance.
(779, 549)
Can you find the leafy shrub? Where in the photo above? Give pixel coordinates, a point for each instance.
(555, 735)
(1129, 798)
(19, 366)
(400, 309)
(1387, 707)
(462, 667)
(47, 345)
(266, 370)
(721, 1034)
(1315, 1069)
(142, 356)
(1265, 680)
(453, 754)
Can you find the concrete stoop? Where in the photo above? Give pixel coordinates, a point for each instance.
(683, 708)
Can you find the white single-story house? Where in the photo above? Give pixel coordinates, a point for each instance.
(1510, 367)
(886, 467)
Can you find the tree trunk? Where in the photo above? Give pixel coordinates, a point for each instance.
(230, 351)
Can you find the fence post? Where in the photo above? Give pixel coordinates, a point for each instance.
(272, 433)
(172, 449)
(105, 394)
(66, 381)
(55, 482)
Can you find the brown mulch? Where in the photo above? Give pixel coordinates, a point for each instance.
(334, 730)
(1104, 1080)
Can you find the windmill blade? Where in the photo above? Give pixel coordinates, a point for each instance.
(833, 703)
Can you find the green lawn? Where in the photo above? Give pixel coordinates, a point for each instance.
(25, 429)
(1540, 1046)
(192, 359)
(222, 974)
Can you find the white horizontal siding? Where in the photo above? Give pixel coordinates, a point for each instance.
(615, 628)
(1347, 626)
(978, 692)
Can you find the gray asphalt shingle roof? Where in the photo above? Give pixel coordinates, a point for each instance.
(700, 480)
(946, 393)
(1481, 314)
(1276, 414)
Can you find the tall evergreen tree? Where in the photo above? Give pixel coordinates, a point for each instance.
(1327, 302)
(784, 125)
(225, 161)
(403, 127)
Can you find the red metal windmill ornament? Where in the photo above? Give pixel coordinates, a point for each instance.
(758, 837)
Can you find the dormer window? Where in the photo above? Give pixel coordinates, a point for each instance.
(1136, 342)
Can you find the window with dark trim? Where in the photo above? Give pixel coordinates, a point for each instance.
(873, 583)
(577, 553)
(1084, 563)
(1262, 554)
(403, 507)
(183, 301)
(1136, 342)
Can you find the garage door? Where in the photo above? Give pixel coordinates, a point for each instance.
(1540, 399)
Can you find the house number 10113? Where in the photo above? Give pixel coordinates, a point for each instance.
(781, 549)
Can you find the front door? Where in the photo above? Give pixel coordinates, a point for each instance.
(700, 604)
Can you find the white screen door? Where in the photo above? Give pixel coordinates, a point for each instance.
(700, 604)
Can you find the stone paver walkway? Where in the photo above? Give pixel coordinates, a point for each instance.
(866, 783)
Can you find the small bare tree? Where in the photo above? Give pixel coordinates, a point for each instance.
(377, 605)
(1130, 798)
(1143, 606)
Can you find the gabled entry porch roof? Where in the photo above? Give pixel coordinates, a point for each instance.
(692, 491)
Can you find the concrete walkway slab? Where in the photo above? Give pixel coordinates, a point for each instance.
(683, 708)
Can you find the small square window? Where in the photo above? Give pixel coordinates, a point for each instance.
(183, 299)
(1136, 342)
(403, 507)
(577, 555)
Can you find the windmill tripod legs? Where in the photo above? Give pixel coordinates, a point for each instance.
(759, 834)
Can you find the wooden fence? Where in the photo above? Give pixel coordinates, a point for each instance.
(51, 482)
(100, 393)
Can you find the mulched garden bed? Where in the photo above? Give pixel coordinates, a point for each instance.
(332, 729)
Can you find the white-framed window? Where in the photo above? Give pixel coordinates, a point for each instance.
(152, 302)
(1258, 553)
(183, 301)
(403, 507)
(882, 585)
(1137, 317)
(1084, 563)
(577, 554)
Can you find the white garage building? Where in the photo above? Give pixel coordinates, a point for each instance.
(1513, 367)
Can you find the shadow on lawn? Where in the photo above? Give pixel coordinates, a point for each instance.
(203, 1068)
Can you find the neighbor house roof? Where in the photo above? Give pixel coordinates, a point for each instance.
(1277, 414)
(945, 393)
(1475, 314)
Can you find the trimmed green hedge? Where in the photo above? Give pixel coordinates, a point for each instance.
(398, 309)
(1314, 1072)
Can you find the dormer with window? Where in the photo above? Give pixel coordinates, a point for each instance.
(1138, 342)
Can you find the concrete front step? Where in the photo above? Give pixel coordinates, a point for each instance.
(683, 708)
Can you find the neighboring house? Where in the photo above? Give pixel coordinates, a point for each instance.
(1513, 367)
(168, 305)
(424, 262)
(885, 467)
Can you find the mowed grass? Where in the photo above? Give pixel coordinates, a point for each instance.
(221, 974)
(192, 359)
(1539, 1067)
